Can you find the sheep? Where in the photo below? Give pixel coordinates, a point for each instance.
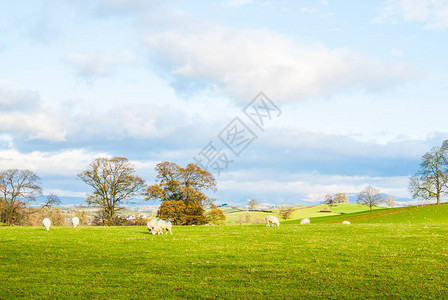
(273, 220)
(151, 224)
(75, 221)
(46, 223)
(162, 225)
(346, 222)
(305, 221)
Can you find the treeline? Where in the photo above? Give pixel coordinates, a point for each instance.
(113, 183)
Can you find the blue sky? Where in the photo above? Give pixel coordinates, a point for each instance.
(361, 85)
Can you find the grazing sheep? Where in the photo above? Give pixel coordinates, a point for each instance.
(161, 226)
(305, 221)
(46, 223)
(346, 222)
(151, 224)
(75, 221)
(273, 220)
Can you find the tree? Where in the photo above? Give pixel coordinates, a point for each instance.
(390, 201)
(241, 219)
(340, 198)
(285, 213)
(248, 217)
(215, 215)
(370, 196)
(253, 203)
(82, 216)
(17, 188)
(114, 182)
(184, 189)
(328, 199)
(431, 180)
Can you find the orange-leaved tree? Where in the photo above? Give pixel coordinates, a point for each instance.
(181, 191)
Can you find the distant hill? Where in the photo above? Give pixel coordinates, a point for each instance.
(299, 213)
(411, 215)
(403, 215)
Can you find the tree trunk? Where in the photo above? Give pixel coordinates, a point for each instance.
(438, 198)
(110, 216)
(370, 208)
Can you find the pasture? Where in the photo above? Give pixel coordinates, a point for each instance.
(233, 262)
(300, 212)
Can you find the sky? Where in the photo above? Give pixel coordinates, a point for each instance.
(353, 93)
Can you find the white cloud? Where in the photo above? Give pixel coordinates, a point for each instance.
(111, 7)
(433, 13)
(95, 64)
(66, 163)
(25, 112)
(396, 53)
(237, 3)
(243, 62)
(309, 187)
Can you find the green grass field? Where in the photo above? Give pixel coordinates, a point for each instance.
(301, 212)
(226, 262)
(411, 215)
(401, 215)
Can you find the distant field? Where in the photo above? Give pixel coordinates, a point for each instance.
(226, 262)
(412, 215)
(301, 212)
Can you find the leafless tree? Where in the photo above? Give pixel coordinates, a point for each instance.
(114, 182)
(370, 196)
(17, 187)
(431, 180)
(253, 203)
(328, 199)
(285, 213)
(390, 201)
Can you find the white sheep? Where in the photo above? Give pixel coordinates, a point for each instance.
(305, 221)
(346, 222)
(161, 226)
(151, 224)
(46, 223)
(75, 221)
(273, 220)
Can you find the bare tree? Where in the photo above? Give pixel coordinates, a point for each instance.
(113, 182)
(390, 201)
(285, 213)
(431, 180)
(370, 196)
(17, 187)
(253, 203)
(328, 199)
(248, 217)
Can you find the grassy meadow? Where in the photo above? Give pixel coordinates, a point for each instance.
(227, 262)
(300, 212)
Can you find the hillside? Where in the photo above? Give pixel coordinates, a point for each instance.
(300, 212)
(402, 215)
(411, 215)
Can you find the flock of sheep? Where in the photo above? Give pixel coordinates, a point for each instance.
(46, 222)
(157, 226)
(274, 221)
(154, 226)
